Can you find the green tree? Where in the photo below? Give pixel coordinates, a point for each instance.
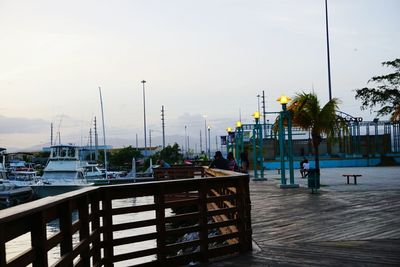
(171, 154)
(124, 156)
(386, 93)
(308, 114)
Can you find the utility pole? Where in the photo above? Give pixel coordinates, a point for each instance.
(149, 139)
(185, 143)
(163, 126)
(201, 144)
(137, 143)
(90, 143)
(264, 119)
(144, 120)
(96, 141)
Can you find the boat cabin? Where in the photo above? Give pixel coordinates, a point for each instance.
(64, 152)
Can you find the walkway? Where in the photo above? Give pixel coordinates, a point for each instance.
(343, 225)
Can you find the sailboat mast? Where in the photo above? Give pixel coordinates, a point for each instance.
(104, 131)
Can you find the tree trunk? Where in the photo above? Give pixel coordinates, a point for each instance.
(316, 139)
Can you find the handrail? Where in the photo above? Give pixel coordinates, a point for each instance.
(99, 230)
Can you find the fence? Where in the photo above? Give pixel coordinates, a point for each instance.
(222, 202)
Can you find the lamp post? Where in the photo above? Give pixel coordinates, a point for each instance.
(258, 153)
(229, 140)
(285, 114)
(238, 142)
(209, 141)
(205, 134)
(144, 119)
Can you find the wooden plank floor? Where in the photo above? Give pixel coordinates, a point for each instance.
(343, 225)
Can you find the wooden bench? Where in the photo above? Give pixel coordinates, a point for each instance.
(353, 175)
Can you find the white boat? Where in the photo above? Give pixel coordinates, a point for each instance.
(22, 174)
(65, 171)
(3, 171)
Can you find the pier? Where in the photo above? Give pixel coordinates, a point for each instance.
(259, 224)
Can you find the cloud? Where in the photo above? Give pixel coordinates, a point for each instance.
(10, 125)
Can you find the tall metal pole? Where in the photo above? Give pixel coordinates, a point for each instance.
(205, 133)
(258, 101)
(144, 119)
(209, 142)
(327, 50)
(264, 119)
(96, 141)
(187, 149)
(149, 139)
(201, 144)
(163, 126)
(137, 143)
(104, 132)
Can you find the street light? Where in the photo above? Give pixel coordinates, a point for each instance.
(229, 140)
(205, 133)
(258, 143)
(209, 141)
(285, 114)
(144, 119)
(238, 142)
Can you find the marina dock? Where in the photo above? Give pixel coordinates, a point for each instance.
(341, 225)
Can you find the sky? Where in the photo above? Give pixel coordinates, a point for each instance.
(199, 58)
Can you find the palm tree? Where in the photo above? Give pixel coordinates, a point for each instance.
(308, 114)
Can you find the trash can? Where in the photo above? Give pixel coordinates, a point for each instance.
(313, 178)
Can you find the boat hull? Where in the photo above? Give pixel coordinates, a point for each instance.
(42, 191)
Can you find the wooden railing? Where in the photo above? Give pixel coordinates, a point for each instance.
(94, 215)
(178, 172)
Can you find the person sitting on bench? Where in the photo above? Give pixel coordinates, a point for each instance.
(305, 166)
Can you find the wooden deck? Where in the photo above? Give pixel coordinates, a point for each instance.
(347, 225)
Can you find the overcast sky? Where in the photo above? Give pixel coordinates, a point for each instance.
(208, 57)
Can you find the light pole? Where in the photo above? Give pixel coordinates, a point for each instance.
(186, 141)
(209, 141)
(258, 101)
(205, 133)
(327, 50)
(229, 145)
(258, 153)
(239, 142)
(144, 119)
(285, 114)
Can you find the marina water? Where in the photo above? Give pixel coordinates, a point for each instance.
(22, 243)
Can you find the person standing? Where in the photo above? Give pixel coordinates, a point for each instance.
(219, 162)
(231, 162)
(244, 162)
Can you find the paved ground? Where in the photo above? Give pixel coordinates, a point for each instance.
(342, 225)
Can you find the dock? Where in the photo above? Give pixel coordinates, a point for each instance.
(259, 223)
(342, 225)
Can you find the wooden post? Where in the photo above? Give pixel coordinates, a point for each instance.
(203, 235)
(39, 240)
(2, 248)
(107, 234)
(66, 228)
(95, 210)
(83, 206)
(159, 200)
(247, 211)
